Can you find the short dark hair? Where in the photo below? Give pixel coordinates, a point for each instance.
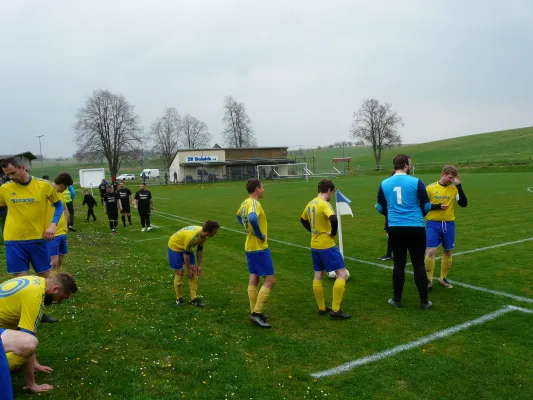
(210, 226)
(64, 178)
(252, 184)
(109, 187)
(14, 161)
(400, 161)
(46, 177)
(66, 281)
(325, 185)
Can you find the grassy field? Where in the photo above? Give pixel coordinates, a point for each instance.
(493, 148)
(122, 337)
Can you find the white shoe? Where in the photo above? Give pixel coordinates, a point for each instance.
(149, 228)
(143, 229)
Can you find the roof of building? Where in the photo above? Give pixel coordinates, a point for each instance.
(29, 155)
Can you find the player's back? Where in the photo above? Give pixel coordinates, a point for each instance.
(185, 239)
(401, 192)
(19, 296)
(317, 212)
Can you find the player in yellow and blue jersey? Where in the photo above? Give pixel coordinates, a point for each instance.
(320, 220)
(26, 227)
(21, 306)
(181, 252)
(253, 219)
(440, 225)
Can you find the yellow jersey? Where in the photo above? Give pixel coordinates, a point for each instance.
(253, 243)
(442, 194)
(61, 225)
(21, 303)
(317, 212)
(26, 209)
(186, 239)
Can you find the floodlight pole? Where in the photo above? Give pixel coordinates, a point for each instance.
(41, 150)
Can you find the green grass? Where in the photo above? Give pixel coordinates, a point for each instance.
(493, 148)
(122, 337)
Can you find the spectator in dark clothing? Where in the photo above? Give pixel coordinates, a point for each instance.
(91, 203)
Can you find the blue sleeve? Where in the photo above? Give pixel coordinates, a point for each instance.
(252, 217)
(72, 192)
(58, 212)
(240, 220)
(423, 198)
(381, 205)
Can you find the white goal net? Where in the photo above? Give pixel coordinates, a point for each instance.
(283, 171)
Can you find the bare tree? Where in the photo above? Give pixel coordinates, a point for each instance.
(108, 126)
(238, 130)
(194, 133)
(165, 133)
(377, 125)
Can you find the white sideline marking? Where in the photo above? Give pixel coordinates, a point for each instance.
(146, 240)
(530, 189)
(466, 285)
(417, 343)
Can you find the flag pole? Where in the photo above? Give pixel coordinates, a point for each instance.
(339, 230)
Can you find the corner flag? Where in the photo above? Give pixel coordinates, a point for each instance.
(342, 208)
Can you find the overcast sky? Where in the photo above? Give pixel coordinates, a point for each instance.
(301, 67)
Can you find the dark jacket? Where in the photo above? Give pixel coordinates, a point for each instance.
(89, 200)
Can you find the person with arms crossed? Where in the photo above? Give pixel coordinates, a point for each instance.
(21, 307)
(404, 200)
(91, 203)
(125, 195)
(111, 206)
(440, 225)
(181, 252)
(320, 220)
(27, 228)
(253, 219)
(144, 203)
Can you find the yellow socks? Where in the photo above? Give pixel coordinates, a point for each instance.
(318, 290)
(338, 292)
(193, 287)
(177, 285)
(445, 266)
(262, 298)
(430, 267)
(252, 295)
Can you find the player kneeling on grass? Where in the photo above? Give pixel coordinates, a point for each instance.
(181, 252)
(320, 220)
(21, 305)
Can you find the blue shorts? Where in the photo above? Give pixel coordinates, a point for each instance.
(440, 233)
(260, 262)
(6, 389)
(57, 246)
(20, 254)
(327, 259)
(175, 258)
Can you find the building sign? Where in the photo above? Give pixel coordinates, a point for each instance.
(201, 158)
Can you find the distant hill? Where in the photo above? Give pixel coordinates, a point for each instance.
(492, 148)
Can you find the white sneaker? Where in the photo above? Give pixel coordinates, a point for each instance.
(149, 228)
(143, 229)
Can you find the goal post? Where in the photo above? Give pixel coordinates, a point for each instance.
(283, 171)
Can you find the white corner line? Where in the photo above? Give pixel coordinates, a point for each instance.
(385, 266)
(417, 343)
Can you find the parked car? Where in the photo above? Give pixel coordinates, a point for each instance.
(150, 174)
(126, 177)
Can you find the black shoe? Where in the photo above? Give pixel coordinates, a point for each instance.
(125, 225)
(197, 302)
(427, 305)
(340, 314)
(264, 317)
(385, 258)
(324, 312)
(258, 319)
(72, 229)
(394, 303)
(48, 319)
(180, 302)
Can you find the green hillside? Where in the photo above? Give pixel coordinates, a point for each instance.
(493, 148)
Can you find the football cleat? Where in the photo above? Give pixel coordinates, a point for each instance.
(444, 282)
(324, 312)
(394, 303)
(340, 314)
(180, 302)
(427, 305)
(197, 302)
(259, 320)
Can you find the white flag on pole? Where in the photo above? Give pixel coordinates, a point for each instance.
(342, 208)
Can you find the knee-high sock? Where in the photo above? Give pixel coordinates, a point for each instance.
(252, 295)
(262, 298)
(129, 219)
(124, 219)
(177, 286)
(318, 290)
(430, 267)
(338, 293)
(111, 224)
(193, 287)
(445, 266)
